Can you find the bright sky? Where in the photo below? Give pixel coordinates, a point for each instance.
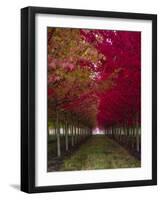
(97, 131)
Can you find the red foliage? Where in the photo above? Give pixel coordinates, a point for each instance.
(122, 49)
(122, 53)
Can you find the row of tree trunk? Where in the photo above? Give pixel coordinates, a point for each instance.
(67, 129)
(129, 137)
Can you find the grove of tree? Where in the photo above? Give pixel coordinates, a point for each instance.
(94, 80)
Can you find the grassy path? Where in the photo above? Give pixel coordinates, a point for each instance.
(99, 152)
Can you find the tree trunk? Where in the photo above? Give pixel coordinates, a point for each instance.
(58, 135)
(72, 135)
(66, 137)
(137, 140)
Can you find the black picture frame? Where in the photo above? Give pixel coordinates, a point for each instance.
(28, 98)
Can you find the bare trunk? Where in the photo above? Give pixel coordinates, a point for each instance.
(58, 135)
(66, 137)
(72, 133)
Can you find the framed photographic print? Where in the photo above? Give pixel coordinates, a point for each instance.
(88, 99)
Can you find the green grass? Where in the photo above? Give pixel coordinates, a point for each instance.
(99, 152)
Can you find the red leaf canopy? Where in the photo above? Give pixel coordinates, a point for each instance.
(95, 74)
